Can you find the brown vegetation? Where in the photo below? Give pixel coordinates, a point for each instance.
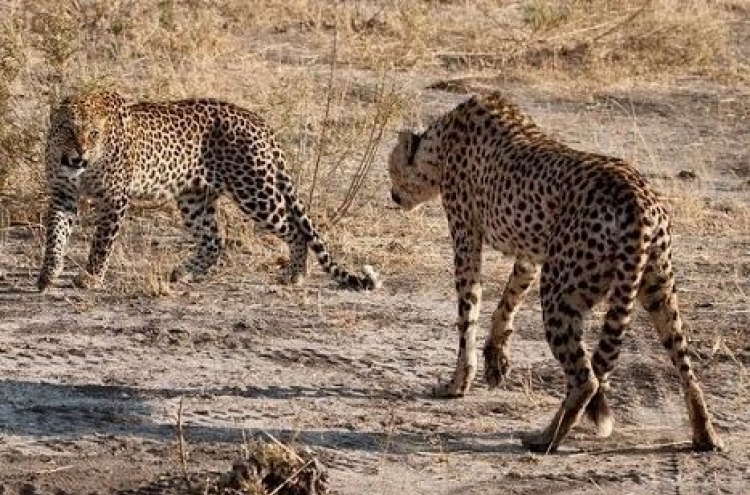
(331, 77)
(663, 83)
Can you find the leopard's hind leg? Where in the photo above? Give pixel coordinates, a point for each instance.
(198, 210)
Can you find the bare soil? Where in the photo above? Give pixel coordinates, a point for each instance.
(92, 379)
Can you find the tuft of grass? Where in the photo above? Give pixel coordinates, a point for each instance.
(644, 39)
(544, 15)
(12, 60)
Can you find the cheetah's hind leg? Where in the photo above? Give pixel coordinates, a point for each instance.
(658, 297)
(564, 313)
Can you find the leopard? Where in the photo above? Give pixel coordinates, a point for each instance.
(587, 226)
(111, 149)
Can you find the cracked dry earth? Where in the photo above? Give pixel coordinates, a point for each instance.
(91, 380)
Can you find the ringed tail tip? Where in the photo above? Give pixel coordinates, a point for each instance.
(372, 276)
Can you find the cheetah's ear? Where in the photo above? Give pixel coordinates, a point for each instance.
(411, 142)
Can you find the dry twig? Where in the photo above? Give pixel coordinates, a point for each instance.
(182, 451)
(324, 135)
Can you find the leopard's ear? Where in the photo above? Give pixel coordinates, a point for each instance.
(123, 114)
(410, 141)
(119, 103)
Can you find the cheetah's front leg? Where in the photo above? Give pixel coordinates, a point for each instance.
(468, 266)
(110, 213)
(497, 348)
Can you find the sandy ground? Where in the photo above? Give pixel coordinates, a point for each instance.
(92, 381)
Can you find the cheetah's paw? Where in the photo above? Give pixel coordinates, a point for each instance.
(496, 365)
(86, 280)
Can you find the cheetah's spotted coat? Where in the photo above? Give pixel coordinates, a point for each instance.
(588, 223)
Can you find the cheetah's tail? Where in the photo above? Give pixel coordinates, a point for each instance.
(368, 280)
(631, 259)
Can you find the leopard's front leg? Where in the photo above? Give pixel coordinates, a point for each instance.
(61, 216)
(110, 213)
(468, 265)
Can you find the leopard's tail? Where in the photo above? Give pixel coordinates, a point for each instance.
(368, 280)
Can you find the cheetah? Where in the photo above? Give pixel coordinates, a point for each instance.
(588, 223)
(102, 146)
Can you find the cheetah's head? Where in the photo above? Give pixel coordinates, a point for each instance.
(80, 129)
(415, 177)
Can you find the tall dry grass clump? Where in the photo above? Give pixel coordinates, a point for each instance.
(11, 62)
(610, 39)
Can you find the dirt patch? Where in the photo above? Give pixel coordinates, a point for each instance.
(92, 381)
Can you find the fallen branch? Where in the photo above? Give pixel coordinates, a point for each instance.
(182, 451)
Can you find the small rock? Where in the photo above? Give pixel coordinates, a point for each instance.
(687, 175)
(241, 326)
(28, 489)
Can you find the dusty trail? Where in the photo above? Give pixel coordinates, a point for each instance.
(91, 384)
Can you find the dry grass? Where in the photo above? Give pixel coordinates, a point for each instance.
(580, 67)
(624, 39)
(333, 108)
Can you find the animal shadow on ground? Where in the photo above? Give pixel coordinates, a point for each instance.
(39, 409)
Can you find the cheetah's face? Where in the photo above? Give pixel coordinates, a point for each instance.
(414, 179)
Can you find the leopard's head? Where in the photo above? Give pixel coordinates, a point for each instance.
(82, 129)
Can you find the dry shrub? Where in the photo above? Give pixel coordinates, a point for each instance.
(607, 39)
(266, 468)
(271, 467)
(11, 62)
